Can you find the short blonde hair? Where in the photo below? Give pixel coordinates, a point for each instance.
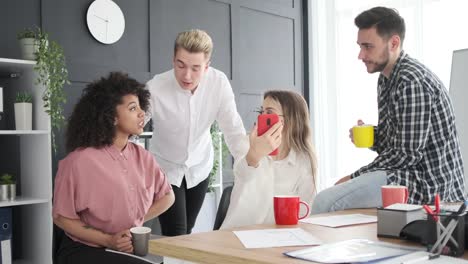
(194, 41)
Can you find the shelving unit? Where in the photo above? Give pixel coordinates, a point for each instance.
(27, 155)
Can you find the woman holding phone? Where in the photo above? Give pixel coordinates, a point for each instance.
(258, 176)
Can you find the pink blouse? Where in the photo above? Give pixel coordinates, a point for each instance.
(108, 189)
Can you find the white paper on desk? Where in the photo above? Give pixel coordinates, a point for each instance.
(282, 237)
(404, 207)
(341, 220)
(349, 251)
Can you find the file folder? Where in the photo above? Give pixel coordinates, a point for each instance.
(5, 235)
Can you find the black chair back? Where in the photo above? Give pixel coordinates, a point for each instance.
(223, 207)
(57, 236)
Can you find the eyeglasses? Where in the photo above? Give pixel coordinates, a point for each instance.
(260, 111)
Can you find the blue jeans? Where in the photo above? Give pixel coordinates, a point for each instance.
(360, 192)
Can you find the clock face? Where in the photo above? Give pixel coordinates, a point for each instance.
(105, 21)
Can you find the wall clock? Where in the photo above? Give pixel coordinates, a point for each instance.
(105, 20)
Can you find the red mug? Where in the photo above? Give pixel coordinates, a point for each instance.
(392, 194)
(286, 209)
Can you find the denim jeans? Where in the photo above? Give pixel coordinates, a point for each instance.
(360, 192)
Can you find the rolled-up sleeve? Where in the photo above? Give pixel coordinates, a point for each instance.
(65, 192)
(161, 185)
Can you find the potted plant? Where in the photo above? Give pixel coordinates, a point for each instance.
(23, 111)
(207, 214)
(53, 75)
(220, 148)
(28, 43)
(7, 187)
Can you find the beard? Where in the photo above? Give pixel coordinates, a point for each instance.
(380, 65)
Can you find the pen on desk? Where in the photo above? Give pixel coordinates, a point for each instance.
(437, 212)
(420, 259)
(437, 203)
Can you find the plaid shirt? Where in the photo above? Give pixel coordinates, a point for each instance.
(416, 138)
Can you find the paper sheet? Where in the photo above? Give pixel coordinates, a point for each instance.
(453, 207)
(276, 238)
(341, 220)
(404, 207)
(5, 251)
(354, 251)
(415, 257)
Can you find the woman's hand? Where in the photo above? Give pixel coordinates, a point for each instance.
(344, 179)
(260, 146)
(121, 241)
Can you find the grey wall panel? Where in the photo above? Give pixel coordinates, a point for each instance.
(73, 93)
(286, 3)
(269, 39)
(171, 17)
(267, 51)
(257, 43)
(279, 7)
(15, 15)
(87, 72)
(89, 59)
(248, 105)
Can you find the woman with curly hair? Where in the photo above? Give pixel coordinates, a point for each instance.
(106, 184)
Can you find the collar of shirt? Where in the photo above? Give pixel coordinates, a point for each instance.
(290, 159)
(395, 68)
(115, 153)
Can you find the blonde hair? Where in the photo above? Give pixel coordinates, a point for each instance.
(194, 41)
(297, 130)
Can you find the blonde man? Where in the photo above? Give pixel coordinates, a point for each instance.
(185, 102)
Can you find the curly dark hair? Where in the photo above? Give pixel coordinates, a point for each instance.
(91, 123)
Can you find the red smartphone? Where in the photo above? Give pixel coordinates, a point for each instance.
(265, 121)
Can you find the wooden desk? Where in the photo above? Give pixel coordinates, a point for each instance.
(224, 247)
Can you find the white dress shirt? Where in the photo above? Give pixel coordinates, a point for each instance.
(254, 188)
(181, 141)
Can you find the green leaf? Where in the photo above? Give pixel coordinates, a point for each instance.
(53, 75)
(7, 179)
(216, 137)
(23, 97)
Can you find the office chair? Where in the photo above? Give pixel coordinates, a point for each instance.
(223, 207)
(57, 237)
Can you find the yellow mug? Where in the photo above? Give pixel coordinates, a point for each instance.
(363, 136)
